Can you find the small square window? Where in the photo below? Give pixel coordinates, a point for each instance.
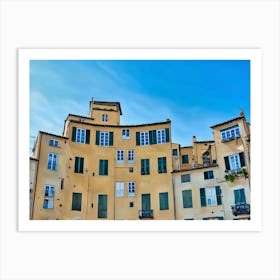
(131, 169)
(104, 117)
(175, 152)
(125, 134)
(131, 204)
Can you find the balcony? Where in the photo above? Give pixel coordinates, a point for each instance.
(146, 214)
(230, 138)
(240, 209)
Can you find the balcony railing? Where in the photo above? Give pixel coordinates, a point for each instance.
(146, 214)
(240, 209)
(230, 138)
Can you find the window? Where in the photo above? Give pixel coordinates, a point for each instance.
(161, 136)
(76, 201)
(163, 201)
(125, 134)
(80, 135)
(104, 138)
(185, 178)
(48, 203)
(54, 143)
(49, 191)
(120, 156)
(145, 166)
(210, 196)
(152, 137)
(235, 162)
(119, 189)
(230, 133)
(174, 152)
(102, 206)
(131, 189)
(131, 204)
(187, 198)
(144, 138)
(130, 169)
(52, 161)
(131, 156)
(162, 165)
(208, 175)
(185, 158)
(103, 167)
(239, 196)
(104, 117)
(79, 165)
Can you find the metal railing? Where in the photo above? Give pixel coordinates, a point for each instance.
(146, 214)
(240, 209)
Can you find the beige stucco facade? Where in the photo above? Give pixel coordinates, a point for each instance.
(99, 169)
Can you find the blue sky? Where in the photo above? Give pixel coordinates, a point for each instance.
(194, 94)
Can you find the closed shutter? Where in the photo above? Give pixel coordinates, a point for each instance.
(87, 136)
(239, 196)
(152, 137)
(111, 138)
(102, 206)
(81, 169)
(219, 195)
(105, 167)
(167, 137)
(76, 201)
(242, 196)
(97, 138)
(137, 138)
(202, 197)
(227, 163)
(76, 165)
(205, 175)
(187, 198)
(242, 159)
(74, 134)
(163, 201)
(162, 165)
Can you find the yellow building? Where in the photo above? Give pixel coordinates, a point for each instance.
(215, 182)
(99, 169)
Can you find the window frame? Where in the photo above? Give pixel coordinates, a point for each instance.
(230, 133)
(131, 156)
(183, 159)
(208, 172)
(48, 203)
(131, 189)
(49, 191)
(186, 176)
(104, 138)
(105, 117)
(119, 189)
(125, 133)
(54, 142)
(144, 138)
(52, 161)
(161, 136)
(120, 156)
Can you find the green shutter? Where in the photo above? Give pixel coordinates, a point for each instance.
(76, 201)
(147, 166)
(76, 165)
(227, 163)
(87, 136)
(242, 159)
(202, 197)
(242, 196)
(74, 134)
(111, 138)
(163, 201)
(219, 195)
(187, 198)
(146, 201)
(102, 206)
(105, 167)
(137, 138)
(97, 138)
(236, 196)
(152, 137)
(81, 165)
(167, 135)
(100, 167)
(164, 165)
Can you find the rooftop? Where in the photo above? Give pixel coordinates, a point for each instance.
(109, 103)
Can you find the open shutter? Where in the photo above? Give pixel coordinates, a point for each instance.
(219, 195)
(106, 167)
(137, 138)
(87, 136)
(76, 165)
(81, 165)
(152, 137)
(242, 159)
(167, 135)
(159, 165)
(97, 138)
(148, 166)
(111, 138)
(74, 134)
(242, 196)
(227, 163)
(164, 165)
(202, 197)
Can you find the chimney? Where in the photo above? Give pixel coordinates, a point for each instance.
(241, 113)
(194, 139)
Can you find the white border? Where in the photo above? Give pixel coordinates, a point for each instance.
(254, 55)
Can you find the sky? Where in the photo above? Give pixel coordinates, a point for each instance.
(193, 94)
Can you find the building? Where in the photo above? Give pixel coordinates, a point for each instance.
(100, 169)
